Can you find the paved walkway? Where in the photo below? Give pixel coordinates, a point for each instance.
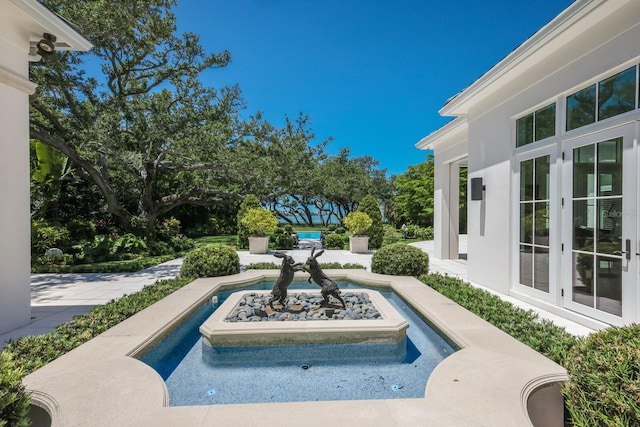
(56, 298)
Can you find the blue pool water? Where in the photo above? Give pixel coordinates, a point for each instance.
(295, 373)
(309, 235)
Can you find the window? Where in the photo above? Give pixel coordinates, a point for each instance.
(535, 126)
(608, 98)
(534, 223)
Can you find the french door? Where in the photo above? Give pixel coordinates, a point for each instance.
(599, 218)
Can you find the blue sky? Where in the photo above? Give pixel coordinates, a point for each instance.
(370, 73)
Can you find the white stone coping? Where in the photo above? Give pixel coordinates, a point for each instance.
(492, 380)
(217, 332)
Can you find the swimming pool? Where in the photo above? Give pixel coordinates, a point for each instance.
(296, 373)
(309, 235)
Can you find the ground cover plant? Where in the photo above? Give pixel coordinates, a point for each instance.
(604, 368)
(211, 261)
(604, 379)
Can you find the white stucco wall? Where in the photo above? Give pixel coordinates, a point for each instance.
(15, 254)
(611, 44)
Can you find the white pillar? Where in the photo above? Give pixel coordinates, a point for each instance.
(15, 229)
(446, 209)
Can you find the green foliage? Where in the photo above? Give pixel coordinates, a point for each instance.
(353, 266)
(250, 201)
(81, 230)
(400, 260)
(259, 221)
(334, 241)
(421, 233)
(357, 222)
(331, 265)
(283, 240)
(45, 236)
(331, 227)
(340, 230)
(371, 207)
(288, 228)
(390, 235)
(413, 202)
(604, 379)
(14, 400)
(104, 267)
(524, 325)
(262, 266)
(210, 261)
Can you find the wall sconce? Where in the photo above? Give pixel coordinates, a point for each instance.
(45, 46)
(477, 189)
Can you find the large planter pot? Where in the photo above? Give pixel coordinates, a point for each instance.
(359, 244)
(258, 245)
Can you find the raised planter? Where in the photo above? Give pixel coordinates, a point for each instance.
(359, 244)
(258, 245)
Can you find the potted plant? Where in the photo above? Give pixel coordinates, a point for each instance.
(258, 222)
(358, 223)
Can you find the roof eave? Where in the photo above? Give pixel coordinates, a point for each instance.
(448, 132)
(68, 37)
(459, 104)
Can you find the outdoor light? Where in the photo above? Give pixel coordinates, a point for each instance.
(45, 46)
(477, 189)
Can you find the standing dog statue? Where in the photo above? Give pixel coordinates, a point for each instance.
(287, 271)
(329, 287)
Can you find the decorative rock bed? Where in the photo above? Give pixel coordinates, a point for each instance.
(254, 307)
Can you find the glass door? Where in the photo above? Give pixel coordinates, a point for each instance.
(599, 225)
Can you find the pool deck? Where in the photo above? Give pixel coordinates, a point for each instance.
(56, 298)
(491, 380)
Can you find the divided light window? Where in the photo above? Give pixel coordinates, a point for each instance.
(535, 126)
(534, 204)
(608, 98)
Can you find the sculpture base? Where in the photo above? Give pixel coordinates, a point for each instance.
(217, 331)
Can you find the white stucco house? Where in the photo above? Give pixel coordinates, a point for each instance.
(550, 139)
(23, 23)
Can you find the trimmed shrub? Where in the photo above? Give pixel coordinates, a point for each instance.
(370, 206)
(263, 266)
(331, 265)
(351, 266)
(210, 261)
(417, 232)
(332, 227)
(340, 230)
(334, 241)
(288, 228)
(14, 400)
(390, 235)
(604, 378)
(400, 260)
(283, 240)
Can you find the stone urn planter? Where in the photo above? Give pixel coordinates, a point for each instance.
(258, 245)
(359, 244)
(358, 223)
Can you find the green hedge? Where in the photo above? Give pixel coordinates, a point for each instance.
(400, 260)
(540, 334)
(14, 400)
(604, 379)
(211, 261)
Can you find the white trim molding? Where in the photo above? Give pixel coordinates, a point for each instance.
(17, 82)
